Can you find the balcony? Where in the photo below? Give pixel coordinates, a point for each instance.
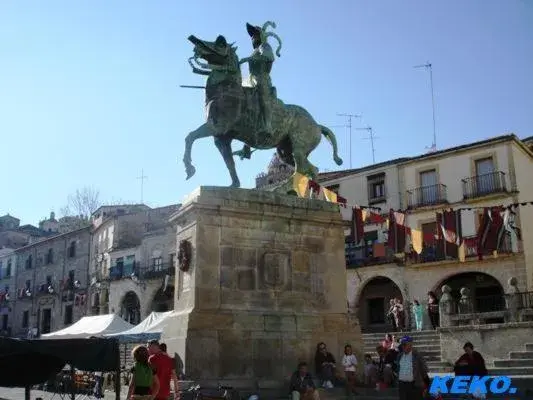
(425, 196)
(483, 185)
(143, 273)
(367, 255)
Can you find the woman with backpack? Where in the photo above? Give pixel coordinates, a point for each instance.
(144, 384)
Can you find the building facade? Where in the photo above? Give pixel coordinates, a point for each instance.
(132, 262)
(277, 172)
(471, 178)
(8, 263)
(50, 290)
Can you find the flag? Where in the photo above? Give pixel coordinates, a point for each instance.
(490, 232)
(396, 239)
(329, 195)
(357, 226)
(300, 184)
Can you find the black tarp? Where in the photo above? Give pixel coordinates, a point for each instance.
(30, 362)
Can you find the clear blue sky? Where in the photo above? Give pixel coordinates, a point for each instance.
(89, 90)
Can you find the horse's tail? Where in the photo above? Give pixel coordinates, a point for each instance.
(330, 136)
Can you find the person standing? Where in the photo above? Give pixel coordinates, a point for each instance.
(143, 378)
(349, 362)
(165, 369)
(390, 315)
(433, 309)
(418, 312)
(413, 376)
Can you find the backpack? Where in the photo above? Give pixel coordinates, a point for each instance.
(143, 375)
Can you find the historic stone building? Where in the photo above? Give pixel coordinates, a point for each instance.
(13, 235)
(8, 263)
(132, 261)
(276, 173)
(50, 290)
(471, 177)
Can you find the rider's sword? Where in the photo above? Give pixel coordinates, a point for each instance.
(192, 87)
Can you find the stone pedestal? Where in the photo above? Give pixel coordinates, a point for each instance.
(267, 282)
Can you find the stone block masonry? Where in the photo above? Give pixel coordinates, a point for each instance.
(267, 282)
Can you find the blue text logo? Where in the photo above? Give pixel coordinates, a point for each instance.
(471, 385)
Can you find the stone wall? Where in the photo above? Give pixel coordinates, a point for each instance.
(267, 283)
(492, 341)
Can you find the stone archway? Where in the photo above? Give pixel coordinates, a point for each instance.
(486, 291)
(163, 300)
(373, 303)
(130, 308)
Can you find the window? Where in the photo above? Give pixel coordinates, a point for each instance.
(486, 180)
(48, 280)
(25, 319)
(484, 166)
(157, 263)
(50, 257)
(429, 189)
(29, 262)
(68, 315)
(8, 269)
(72, 249)
(376, 188)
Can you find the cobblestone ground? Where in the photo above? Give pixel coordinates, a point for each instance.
(18, 394)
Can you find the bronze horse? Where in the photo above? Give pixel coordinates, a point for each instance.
(233, 113)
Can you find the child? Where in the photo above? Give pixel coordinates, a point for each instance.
(143, 379)
(418, 312)
(349, 362)
(371, 371)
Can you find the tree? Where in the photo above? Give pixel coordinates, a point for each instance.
(82, 203)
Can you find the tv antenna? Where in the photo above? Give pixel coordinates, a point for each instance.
(349, 126)
(142, 178)
(429, 68)
(370, 137)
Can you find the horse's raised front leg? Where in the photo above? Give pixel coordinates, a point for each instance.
(223, 144)
(202, 132)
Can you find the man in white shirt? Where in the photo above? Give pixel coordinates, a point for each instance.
(412, 372)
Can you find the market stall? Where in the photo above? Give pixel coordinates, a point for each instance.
(148, 329)
(97, 325)
(25, 363)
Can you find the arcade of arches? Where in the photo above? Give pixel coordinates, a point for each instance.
(373, 300)
(130, 309)
(163, 300)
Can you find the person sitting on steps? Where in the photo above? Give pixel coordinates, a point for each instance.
(302, 386)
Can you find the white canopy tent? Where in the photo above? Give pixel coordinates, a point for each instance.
(150, 328)
(97, 325)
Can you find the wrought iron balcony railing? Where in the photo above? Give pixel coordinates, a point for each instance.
(427, 196)
(142, 272)
(483, 185)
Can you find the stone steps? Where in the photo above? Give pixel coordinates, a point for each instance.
(427, 343)
(521, 362)
(520, 355)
